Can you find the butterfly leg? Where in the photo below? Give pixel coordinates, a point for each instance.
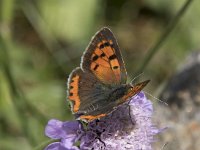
(101, 141)
(129, 112)
(132, 118)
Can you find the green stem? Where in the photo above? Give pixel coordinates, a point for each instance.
(20, 102)
(15, 95)
(22, 105)
(44, 32)
(164, 36)
(45, 143)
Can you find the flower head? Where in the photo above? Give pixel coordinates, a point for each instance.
(128, 127)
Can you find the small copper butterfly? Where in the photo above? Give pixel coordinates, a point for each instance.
(98, 86)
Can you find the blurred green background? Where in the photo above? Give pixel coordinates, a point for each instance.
(41, 42)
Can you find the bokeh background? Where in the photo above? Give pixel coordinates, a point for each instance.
(41, 42)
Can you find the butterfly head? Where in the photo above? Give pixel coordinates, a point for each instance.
(139, 86)
(133, 90)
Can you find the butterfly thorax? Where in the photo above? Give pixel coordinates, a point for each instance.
(118, 92)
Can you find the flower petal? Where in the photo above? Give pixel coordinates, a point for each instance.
(54, 129)
(55, 146)
(60, 146)
(68, 144)
(71, 128)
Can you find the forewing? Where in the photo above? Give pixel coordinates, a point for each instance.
(85, 93)
(103, 58)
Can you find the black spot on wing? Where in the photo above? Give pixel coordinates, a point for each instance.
(95, 57)
(112, 57)
(106, 44)
(101, 46)
(115, 67)
(95, 68)
(103, 55)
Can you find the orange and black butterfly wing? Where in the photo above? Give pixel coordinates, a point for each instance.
(103, 58)
(87, 96)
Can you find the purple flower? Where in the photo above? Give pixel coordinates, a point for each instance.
(67, 132)
(128, 127)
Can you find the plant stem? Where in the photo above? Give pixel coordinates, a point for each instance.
(163, 37)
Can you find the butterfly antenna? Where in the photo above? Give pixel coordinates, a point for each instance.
(162, 148)
(135, 78)
(155, 97)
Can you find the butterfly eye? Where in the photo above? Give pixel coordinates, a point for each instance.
(130, 89)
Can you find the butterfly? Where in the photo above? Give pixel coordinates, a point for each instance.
(98, 86)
